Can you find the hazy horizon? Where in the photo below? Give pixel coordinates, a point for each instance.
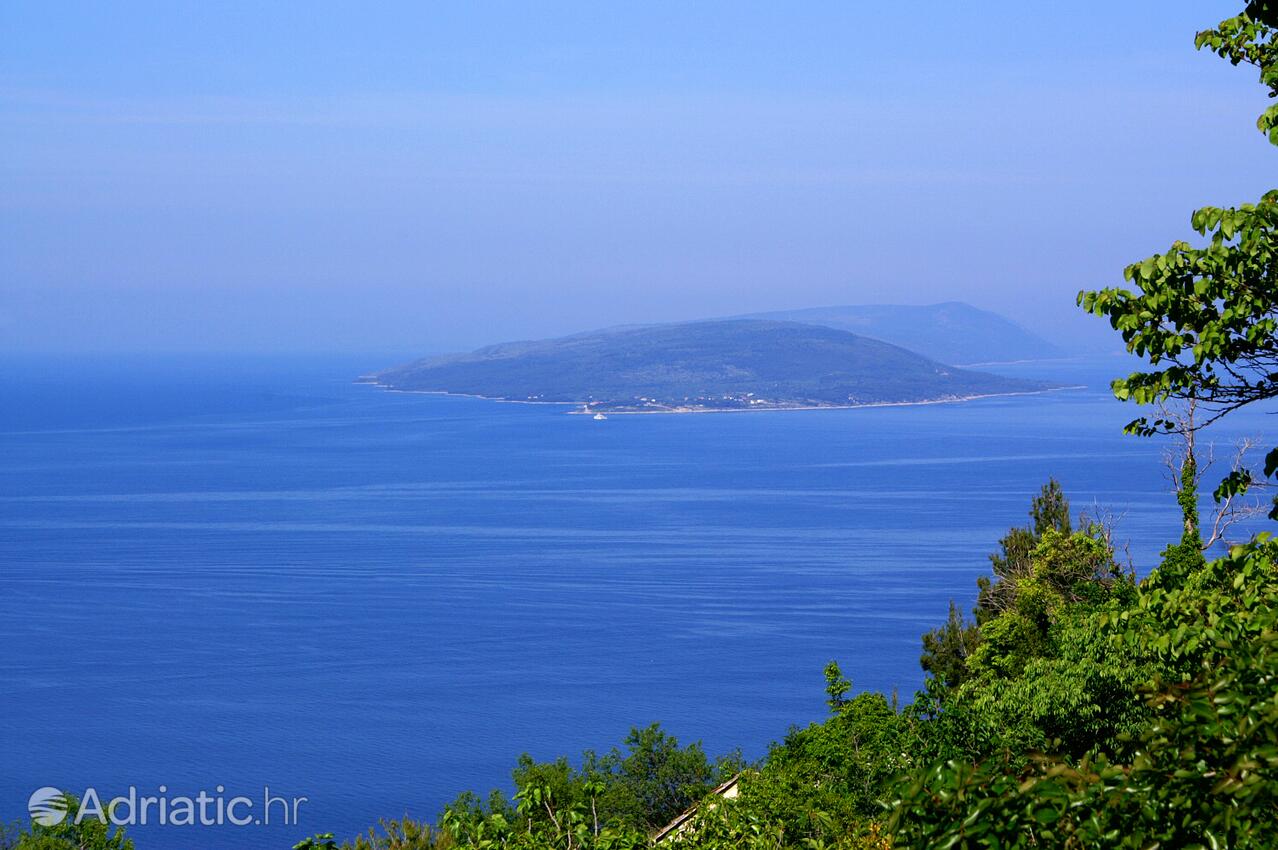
(422, 179)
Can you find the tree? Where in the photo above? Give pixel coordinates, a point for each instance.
(1049, 511)
(1200, 768)
(1205, 316)
(657, 776)
(1188, 467)
(1203, 773)
(836, 687)
(946, 649)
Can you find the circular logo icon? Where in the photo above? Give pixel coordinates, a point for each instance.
(48, 806)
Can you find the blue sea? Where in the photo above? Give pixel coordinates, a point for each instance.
(257, 573)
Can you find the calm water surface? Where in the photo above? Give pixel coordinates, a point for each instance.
(260, 574)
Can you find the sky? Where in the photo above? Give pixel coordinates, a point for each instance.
(421, 177)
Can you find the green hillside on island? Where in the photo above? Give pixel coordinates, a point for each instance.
(735, 364)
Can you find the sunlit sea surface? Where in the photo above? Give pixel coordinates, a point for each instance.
(258, 573)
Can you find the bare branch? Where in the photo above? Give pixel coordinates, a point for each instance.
(1234, 509)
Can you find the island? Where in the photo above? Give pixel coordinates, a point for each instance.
(721, 365)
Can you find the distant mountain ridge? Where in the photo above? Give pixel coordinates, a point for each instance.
(951, 332)
(730, 364)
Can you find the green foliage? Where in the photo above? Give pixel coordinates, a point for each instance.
(1040, 570)
(403, 834)
(820, 787)
(1187, 499)
(656, 779)
(946, 649)
(1249, 39)
(1042, 674)
(88, 834)
(1080, 695)
(1049, 511)
(1040, 671)
(836, 687)
(849, 756)
(1202, 773)
(1205, 316)
(743, 825)
(612, 801)
(319, 841)
(1180, 559)
(1065, 648)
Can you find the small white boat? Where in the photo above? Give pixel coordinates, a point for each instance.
(599, 416)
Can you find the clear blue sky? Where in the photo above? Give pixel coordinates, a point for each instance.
(425, 176)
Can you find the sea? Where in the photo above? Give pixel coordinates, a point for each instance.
(232, 574)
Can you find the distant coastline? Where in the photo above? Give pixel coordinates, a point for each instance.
(797, 407)
(372, 382)
(1012, 362)
(590, 408)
